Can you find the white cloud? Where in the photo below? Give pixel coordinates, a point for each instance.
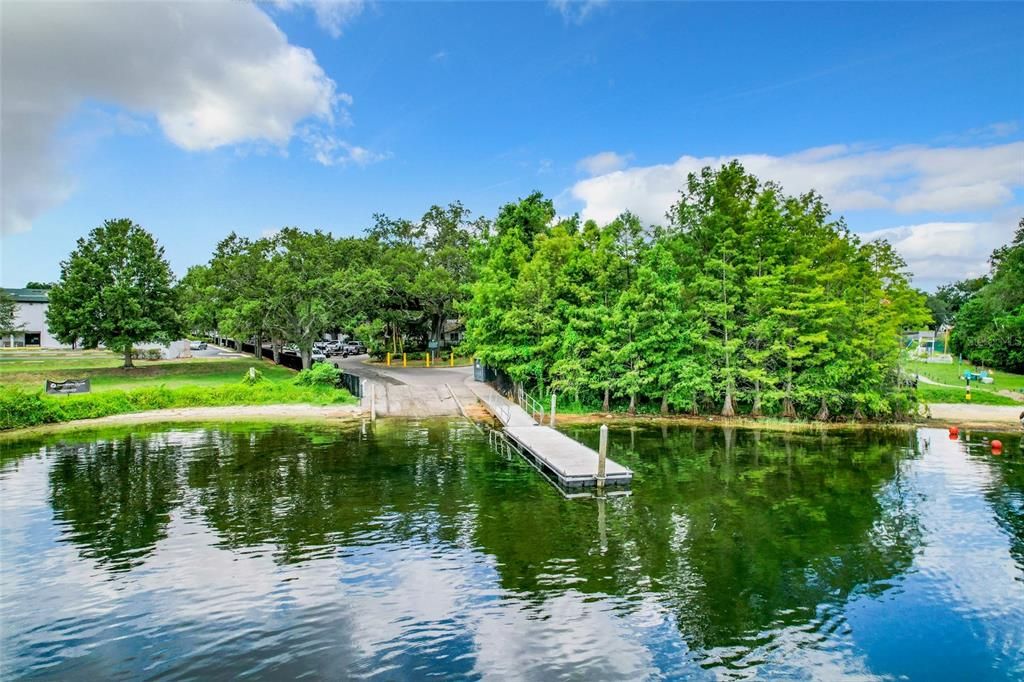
(941, 252)
(439, 56)
(212, 74)
(603, 162)
(905, 179)
(328, 150)
(576, 11)
(332, 16)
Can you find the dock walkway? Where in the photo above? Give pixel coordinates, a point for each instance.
(567, 461)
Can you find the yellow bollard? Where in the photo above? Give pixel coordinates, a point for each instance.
(403, 359)
(451, 360)
(426, 356)
(389, 359)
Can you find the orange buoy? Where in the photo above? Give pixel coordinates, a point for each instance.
(953, 432)
(997, 445)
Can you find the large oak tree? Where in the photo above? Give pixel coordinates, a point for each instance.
(115, 289)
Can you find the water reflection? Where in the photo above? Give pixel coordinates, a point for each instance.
(411, 550)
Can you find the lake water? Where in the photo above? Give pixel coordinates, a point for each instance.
(413, 551)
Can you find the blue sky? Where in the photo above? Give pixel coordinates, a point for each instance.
(908, 117)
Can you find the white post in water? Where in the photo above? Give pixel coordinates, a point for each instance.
(602, 455)
(373, 402)
(552, 410)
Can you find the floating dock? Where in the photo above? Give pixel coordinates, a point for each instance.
(565, 461)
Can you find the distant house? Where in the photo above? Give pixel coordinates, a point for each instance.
(30, 320)
(452, 332)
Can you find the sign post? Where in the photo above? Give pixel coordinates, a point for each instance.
(67, 387)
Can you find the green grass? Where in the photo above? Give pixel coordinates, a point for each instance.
(198, 382)
(105, 372)
(981, 394)
(951, 374)
(941, 394)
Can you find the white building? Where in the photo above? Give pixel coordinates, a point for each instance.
(31, 329)
(30, 320)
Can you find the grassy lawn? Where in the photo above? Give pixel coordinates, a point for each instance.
(196, 382)
(106, 373)
(981, 394)
(941, 394)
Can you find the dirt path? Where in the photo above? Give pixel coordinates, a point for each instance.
(972, 415)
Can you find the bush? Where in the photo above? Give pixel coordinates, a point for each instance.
(252, 377)
(320, 374)
(147, 354)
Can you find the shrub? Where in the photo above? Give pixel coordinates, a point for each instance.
(320, 374)
(252, 377)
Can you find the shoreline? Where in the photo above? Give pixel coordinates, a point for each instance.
(984, 417)
(280, 412)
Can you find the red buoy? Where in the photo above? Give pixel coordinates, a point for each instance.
(997, 446)
(953, 432)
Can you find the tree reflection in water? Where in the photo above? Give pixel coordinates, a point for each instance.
(734, 532)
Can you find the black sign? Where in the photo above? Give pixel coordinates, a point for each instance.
(69, 386)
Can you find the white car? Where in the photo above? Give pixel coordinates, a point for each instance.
(198, 345)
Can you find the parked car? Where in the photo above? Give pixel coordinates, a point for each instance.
(318, 356)
(354, 348)
(197, 345)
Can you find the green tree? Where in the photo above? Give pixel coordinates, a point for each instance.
(305, 281)
(117, 289)
(990, 324)
(198, 294)
(8, 311)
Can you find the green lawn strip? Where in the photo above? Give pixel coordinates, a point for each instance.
(941, 394)
(174, 373)
(951, 374)
(19, 409)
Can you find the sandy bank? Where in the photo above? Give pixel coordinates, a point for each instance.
(282, 413)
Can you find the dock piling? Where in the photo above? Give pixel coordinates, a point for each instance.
(373, 402)
(552, 420)
(602, 455)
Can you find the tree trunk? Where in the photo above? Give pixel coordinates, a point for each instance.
(788, 409)
(128, 358)
(755, 411)
(857, 414)
(275, 349)
(664, 404)
(728, 408)
(822, 415)
(307, 362)
(632, 404)
(606, 406)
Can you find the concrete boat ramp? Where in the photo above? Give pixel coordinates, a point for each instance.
(423, 392)
(565, 461)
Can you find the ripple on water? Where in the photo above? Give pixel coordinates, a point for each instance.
(416, 553)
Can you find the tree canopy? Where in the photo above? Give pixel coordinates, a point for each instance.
(115, 289)
(989, 318)
(747, 299)
(8, 310)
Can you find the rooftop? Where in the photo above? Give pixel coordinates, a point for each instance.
(29, 295)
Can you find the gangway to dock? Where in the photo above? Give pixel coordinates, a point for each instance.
(565, 461)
